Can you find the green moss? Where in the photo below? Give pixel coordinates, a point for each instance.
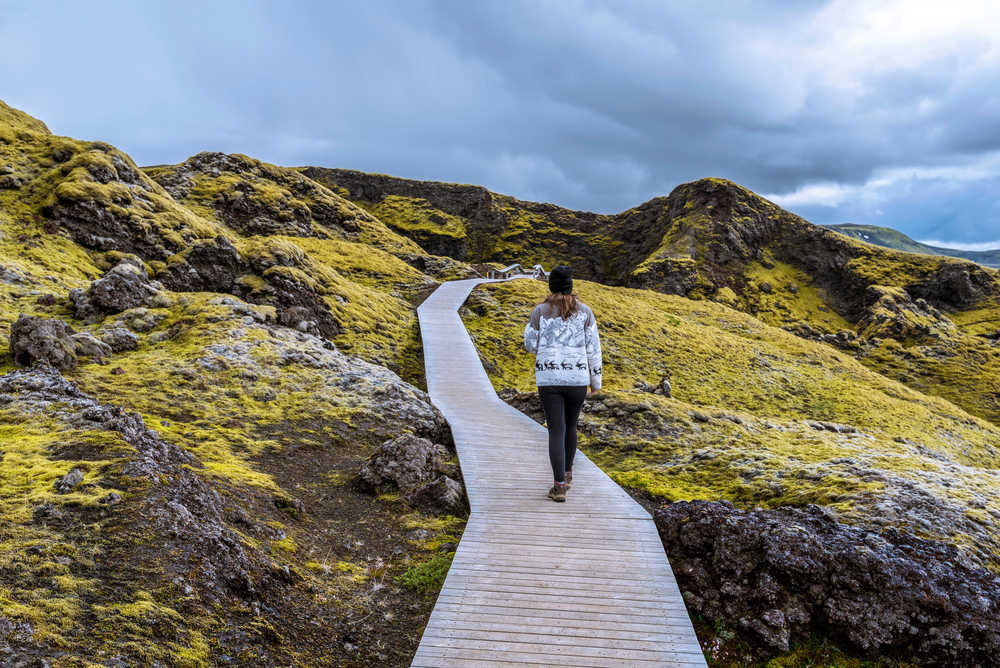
(31, 463)
(416, 216)
(819, 652)
(781, 294)
(285, 545)
(428, 577)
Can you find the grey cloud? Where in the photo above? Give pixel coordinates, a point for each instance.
(592, 105)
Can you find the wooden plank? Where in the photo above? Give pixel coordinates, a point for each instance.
(596, 548)
(603, 627)
(556, 641)
(568, 579)
(544, 580)
(627, 603)
(566, 604)
(676, 618)
(461, 623)
(458, 656)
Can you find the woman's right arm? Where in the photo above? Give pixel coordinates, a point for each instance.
(531, 332)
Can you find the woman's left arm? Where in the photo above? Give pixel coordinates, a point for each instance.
(593, 343)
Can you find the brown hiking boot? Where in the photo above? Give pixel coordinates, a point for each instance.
(558, 492)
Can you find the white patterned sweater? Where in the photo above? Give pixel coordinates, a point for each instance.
(567, 352)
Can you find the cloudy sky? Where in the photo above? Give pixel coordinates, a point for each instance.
(885, 113)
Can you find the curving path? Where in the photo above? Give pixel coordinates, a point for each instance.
(581, 583)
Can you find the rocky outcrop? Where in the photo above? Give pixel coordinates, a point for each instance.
(265, 275)
(703, 237)
(207, 265)
(69, 482)
(442, 495)
(35, 340)
(894, 314)
(493, 226)
(88, 345)
(119, 339)
(781, 574)
(180, 509)
(125, 286)
(254, 198)
(416, 468)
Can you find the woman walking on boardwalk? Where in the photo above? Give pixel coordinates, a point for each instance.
(562, 333)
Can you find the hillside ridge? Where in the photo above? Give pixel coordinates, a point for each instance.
(890, 238)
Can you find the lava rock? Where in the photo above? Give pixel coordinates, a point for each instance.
(111, 499)
(69, 482)
(119, 339)
(208, 265)
(402, 463)
(125, 286)
(441, 496)
(784, 573)
(88, 345)
(36, 340)
(179, 509)
(416, 467)
(139, 319)
(44, 512)
(10, 182)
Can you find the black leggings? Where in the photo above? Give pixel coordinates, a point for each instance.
(562, 405)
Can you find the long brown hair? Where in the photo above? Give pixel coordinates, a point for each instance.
(564, 303)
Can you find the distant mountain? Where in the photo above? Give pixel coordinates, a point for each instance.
(890, 238)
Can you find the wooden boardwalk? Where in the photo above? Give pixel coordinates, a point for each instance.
(533, 582)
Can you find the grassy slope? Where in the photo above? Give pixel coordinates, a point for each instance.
(760, 384)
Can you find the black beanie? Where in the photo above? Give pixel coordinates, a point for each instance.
(561, 279)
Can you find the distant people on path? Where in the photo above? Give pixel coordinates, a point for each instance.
(562, 333)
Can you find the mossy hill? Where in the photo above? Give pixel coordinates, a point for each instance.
(890, 238)
(931, 322)
(272, 360)
(219, 432)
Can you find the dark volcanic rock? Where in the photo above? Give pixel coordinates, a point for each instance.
(288, 293)
(123, 287)
(119, 339)
(208, 265)
(441, 495)
(403, 463)
(262, 199)
(416, 467)
(87, 345)
(216, 265)
(42, 340)
(781, 574)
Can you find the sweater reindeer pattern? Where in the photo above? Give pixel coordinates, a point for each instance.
(567, 352)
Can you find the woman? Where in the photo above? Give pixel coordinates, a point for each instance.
(562, 332)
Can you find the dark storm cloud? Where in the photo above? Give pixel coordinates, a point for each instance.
(884, 114)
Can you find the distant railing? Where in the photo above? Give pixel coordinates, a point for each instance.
(517, 270)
